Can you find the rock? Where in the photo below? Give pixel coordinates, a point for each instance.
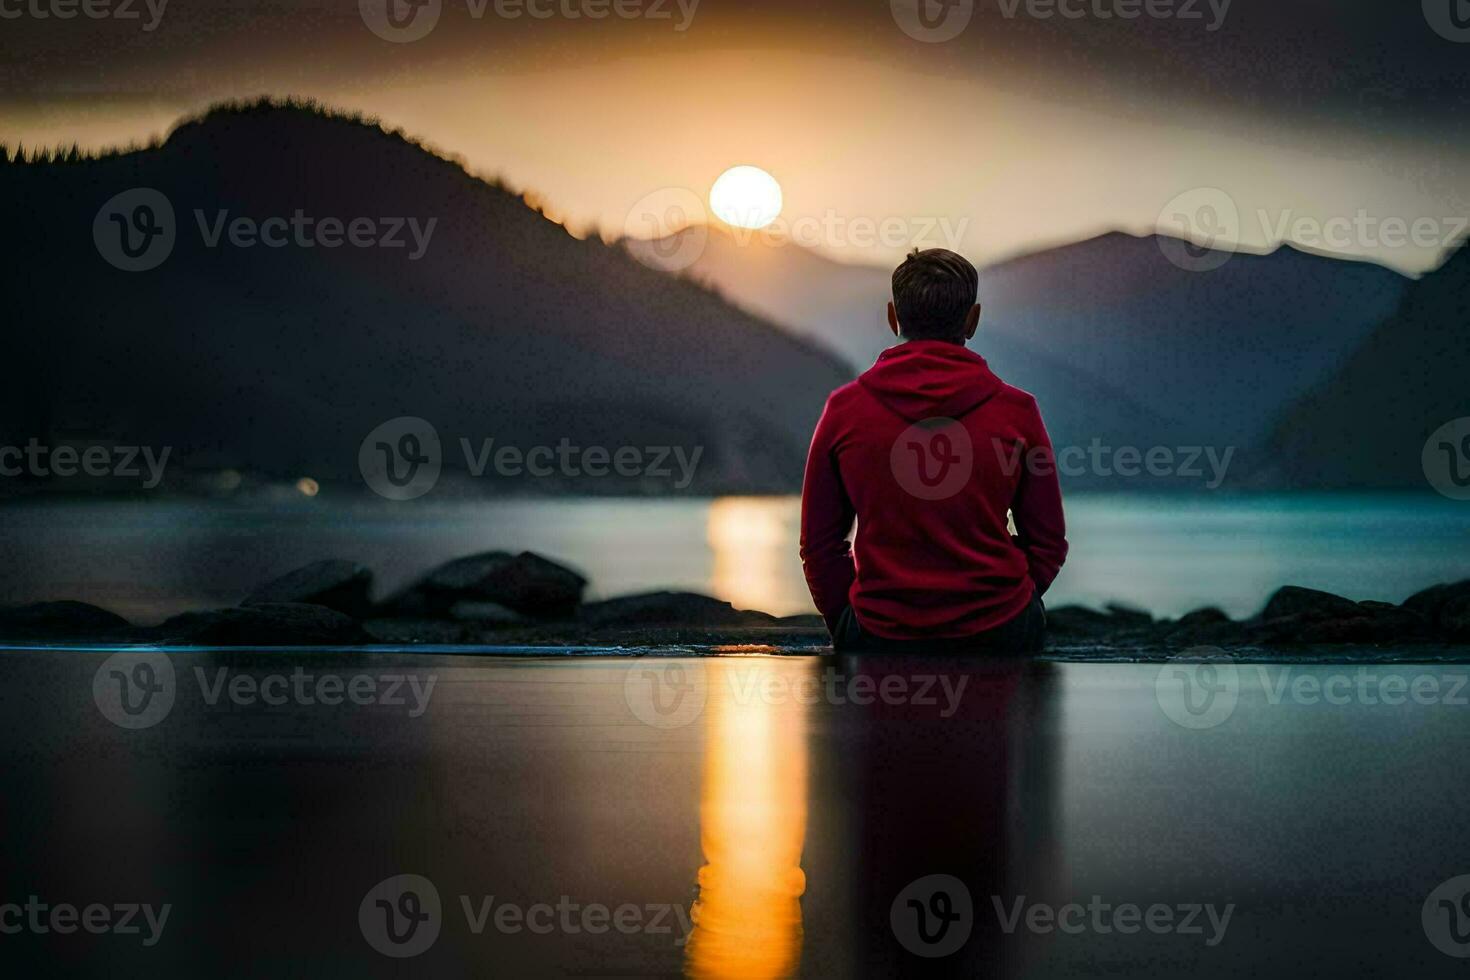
(268, 624)
(1441, 603)
(527, 583)
(1125, 615)
(1207, 616)
(1309, 604)
(1364, 622)
(660, 608)
(489, 613)
(1078, 621)
(1208, 625)
(63, 620)
(1453, 621)
(339, 585)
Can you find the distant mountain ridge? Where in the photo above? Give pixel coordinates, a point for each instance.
(1367, 424)
(282, 359)
(1120, 345)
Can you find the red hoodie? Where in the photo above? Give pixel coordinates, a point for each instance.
(928, 450)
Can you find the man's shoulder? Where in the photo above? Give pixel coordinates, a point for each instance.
(846, 395)
(1020, 398)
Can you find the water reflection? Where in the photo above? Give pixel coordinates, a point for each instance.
(753, 811)
(951, 776)
(754, 563)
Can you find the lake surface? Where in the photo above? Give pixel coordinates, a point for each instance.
(733, 817)
(1164, 554)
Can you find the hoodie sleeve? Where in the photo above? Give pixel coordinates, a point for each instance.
(826, 518)
(1037, 508)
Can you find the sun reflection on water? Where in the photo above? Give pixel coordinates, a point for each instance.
(753, 543)
(747, 919)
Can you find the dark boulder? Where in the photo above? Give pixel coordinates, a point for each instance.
(269, 624)
(1125, 615)
(1453, 621)
(1334, 620)
(1308, 604)
(1444, 607)
(527, 583)
(1209, 625)
(1079, 622)
(63, 620)
(668, 608)
(339, 585)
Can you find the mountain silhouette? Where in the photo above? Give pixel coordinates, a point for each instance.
(1118, 343)
(1366, 425)
(280, 360)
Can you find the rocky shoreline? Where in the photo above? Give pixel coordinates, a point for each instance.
(525, 600)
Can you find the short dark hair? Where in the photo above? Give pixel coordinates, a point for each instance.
(933, 290)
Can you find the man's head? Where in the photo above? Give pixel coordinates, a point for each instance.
(934, 297)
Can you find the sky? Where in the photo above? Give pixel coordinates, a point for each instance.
(993, 126)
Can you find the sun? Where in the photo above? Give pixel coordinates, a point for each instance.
(746, 197)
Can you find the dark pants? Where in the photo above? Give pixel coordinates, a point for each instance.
(1024, 633)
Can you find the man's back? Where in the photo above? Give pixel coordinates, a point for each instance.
(929, 451)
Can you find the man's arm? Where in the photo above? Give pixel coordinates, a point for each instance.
(826, 519)
(1041, 529)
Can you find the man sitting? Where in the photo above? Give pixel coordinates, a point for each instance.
(929, 451)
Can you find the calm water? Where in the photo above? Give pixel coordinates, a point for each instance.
(1165, 554)
(738, 817)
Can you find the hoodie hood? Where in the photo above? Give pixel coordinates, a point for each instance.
(924, 379)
